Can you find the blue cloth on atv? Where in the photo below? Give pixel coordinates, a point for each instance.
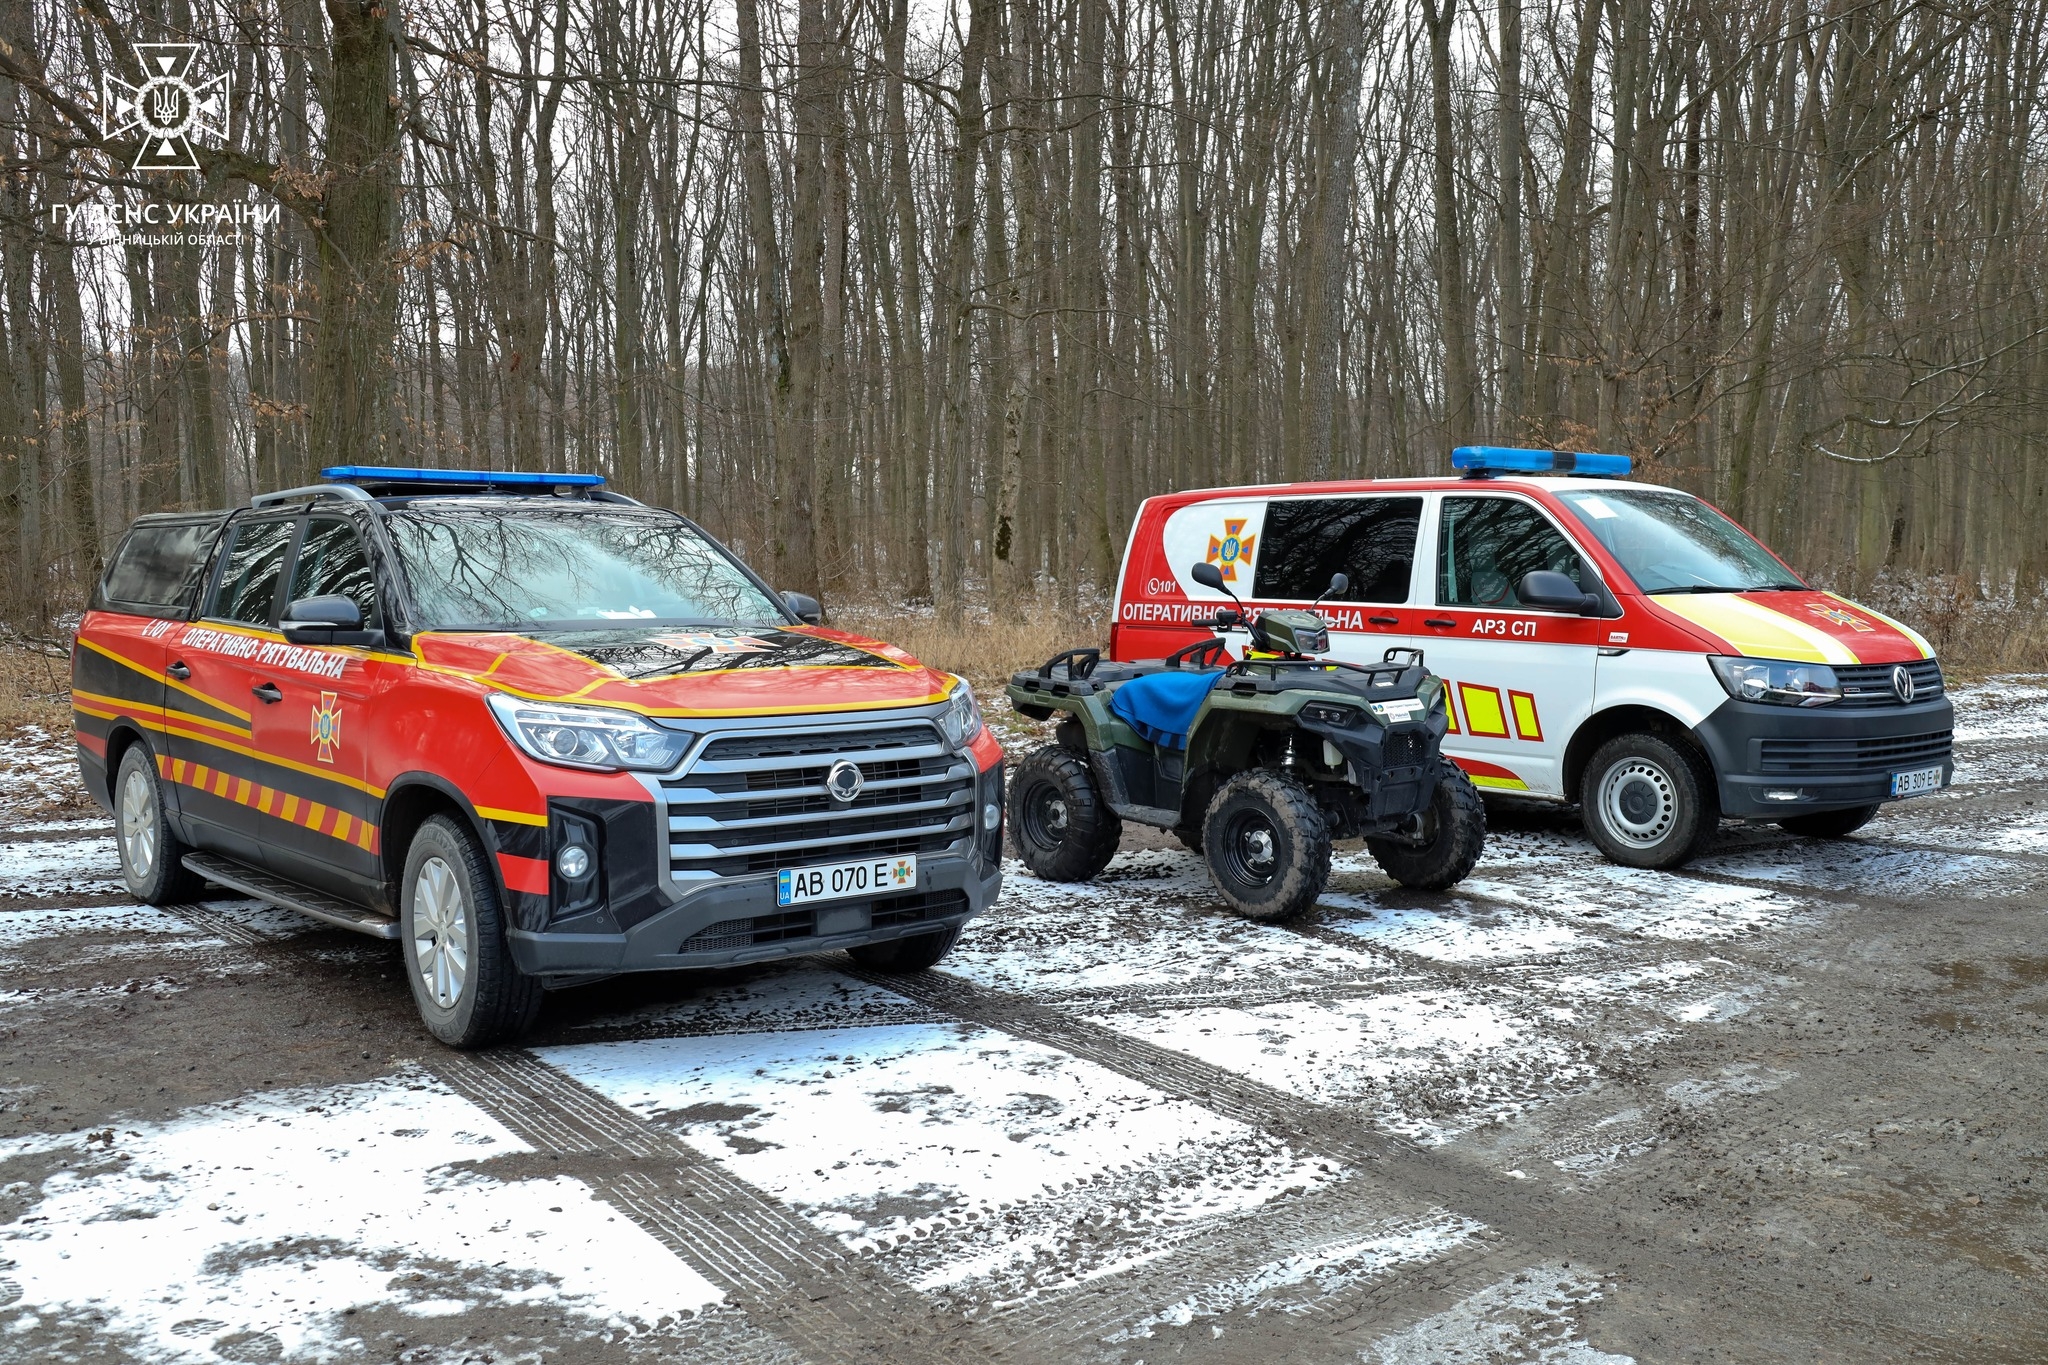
(1162, 706)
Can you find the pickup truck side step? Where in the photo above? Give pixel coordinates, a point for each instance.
(265, 886)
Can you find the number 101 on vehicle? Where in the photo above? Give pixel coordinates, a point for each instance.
(868, 877)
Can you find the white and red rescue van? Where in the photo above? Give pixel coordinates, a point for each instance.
(1616, 644)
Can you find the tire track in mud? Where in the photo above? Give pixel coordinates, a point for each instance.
(791, 1279)
(1538, 1219)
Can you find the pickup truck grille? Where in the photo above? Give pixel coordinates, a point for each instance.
(1865, 685)
(757, 802)
(1821, 756)
(731, 935)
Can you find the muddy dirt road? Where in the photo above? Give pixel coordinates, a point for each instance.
(1786, 1105)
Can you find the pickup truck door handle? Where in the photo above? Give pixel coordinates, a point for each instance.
(1384, 620)
(179, 671)
(1440, 622)
(269, 691)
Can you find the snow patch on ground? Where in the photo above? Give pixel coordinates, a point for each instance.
(60, 867)
(1528, 1318)
(1293, 1283)
(273, 1214)
(2002, 710)
(1427, 1064)
(1872, 870)
(1464, 931)
(998, 1153)
(1633, 901)
(39, 778)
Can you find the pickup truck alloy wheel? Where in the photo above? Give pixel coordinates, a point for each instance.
(152, 855)
(469, 991)
(440, 927)
(1648, 801)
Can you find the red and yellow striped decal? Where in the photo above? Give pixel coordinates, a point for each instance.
(321, 819)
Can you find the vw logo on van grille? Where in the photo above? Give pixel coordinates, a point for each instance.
(1902, 684)
(843, 781)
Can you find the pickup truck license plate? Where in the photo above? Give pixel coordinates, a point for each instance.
(1917, 781)
(868, 877)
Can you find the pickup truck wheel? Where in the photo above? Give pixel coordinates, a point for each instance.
(1267, 846)
(1453, 833)
(452, 931)
(152, 855)
(1063, 829)
(906, 955)
(1830, 824)
(1648, 802)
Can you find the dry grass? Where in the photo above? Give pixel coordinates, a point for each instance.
(985, 648)
(35, 687)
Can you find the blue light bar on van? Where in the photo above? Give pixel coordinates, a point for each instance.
(506, 478)
(1511, 460)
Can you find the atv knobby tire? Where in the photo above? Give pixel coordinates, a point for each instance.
(1267, 846)
(1453, 829)
(1063, 829)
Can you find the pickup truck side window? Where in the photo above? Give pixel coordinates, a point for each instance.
(332, 563)
(159, 565)
(1487, 544)
(1369, 540)
(250, 572)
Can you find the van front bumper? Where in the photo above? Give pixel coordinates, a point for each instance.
(1772, 762)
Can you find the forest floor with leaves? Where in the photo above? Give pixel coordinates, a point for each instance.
(1783, 1105)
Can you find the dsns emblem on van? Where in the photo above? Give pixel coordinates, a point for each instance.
(1232, 548)
(843, 781)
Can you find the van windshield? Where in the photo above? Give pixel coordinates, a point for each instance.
(529, 568)
(1673, 542)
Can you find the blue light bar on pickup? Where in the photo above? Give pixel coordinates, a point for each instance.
(504, 478)
(1511, 460)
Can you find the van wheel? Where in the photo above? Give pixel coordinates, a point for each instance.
(452, 931)
(1063, 829)
(1267, 846)
(1829, 824)
(905, 955)
(1453, 834)
(1648, 802)
(152, 855)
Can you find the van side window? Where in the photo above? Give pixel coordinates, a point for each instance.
(158, 566)
(332, 563)
(1371, 541)
(250, 572)
(1487, 544)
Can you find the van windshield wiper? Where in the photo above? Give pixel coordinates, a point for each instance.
(1717, 587)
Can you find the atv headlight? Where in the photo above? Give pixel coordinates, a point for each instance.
(962, 721)
(593, 737)
(1776, 681)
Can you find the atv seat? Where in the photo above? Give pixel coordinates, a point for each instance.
(1161, 705)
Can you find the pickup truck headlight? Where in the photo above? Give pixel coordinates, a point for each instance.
(962, 721)
(1777, 681)
(596, 738)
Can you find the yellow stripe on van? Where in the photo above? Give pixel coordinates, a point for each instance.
(1919, 641)
(1756, 630)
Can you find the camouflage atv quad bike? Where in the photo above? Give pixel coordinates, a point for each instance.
(1258, 765)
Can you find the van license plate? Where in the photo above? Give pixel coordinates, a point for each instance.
(1915, 782)
(868, 877)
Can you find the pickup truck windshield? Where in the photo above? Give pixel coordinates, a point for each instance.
(528, 568)
(1673, 542)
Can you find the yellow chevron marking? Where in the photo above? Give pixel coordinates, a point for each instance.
(1757, 631)
(1919, 641)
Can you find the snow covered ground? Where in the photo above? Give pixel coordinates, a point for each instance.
(1058, 1136)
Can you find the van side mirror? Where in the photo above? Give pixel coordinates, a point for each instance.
(1209, 576)
(805, 608)
(1548, 590)
(328, 620)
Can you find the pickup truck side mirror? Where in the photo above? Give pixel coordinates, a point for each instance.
(1548, 590)
(328, 620)
(805, 608)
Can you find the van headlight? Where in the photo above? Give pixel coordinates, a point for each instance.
(1778, 682)
(962, 721)
(597, 738)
